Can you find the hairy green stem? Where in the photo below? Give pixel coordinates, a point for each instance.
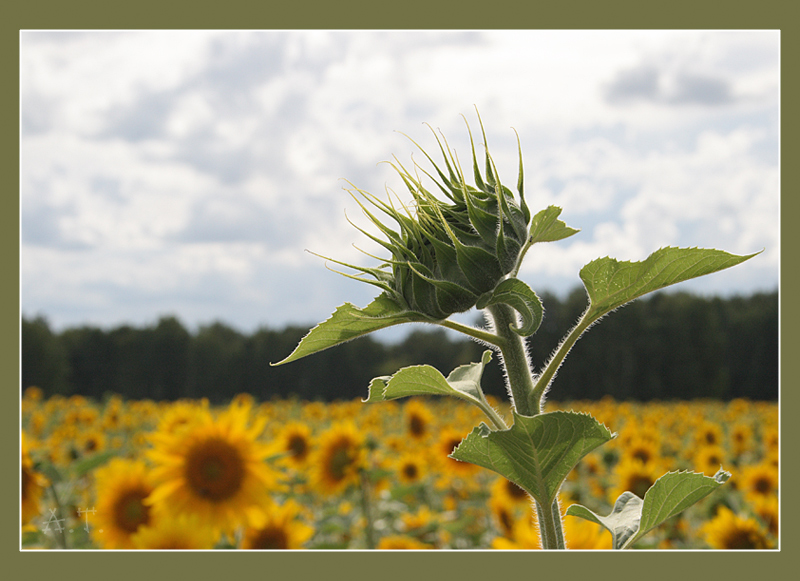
(527, 402)
(544, 531)
(559, 526)
(515, 360)
(550, 527)
(366, 509)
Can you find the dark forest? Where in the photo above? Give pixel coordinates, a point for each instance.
(668, 346)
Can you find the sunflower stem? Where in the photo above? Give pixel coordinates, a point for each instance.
(366, 509)
(527, 402)
(514, 359)
(550, 526)
(62, 537)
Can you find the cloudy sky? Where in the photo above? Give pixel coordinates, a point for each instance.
(185, 172)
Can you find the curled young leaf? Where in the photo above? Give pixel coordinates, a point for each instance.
(519, 296)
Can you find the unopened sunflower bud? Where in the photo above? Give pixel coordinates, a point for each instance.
(445, 254)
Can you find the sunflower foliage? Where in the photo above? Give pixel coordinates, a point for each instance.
(462, 248)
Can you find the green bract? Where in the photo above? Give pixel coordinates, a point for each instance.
(446, 253)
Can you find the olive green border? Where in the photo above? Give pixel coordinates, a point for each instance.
(411, 14)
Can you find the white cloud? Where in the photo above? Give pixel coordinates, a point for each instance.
(187, 171)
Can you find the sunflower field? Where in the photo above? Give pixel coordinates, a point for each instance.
(288, 474)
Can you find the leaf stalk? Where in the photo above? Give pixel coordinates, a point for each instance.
(544, 380)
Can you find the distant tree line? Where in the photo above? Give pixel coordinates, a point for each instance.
(668, 346)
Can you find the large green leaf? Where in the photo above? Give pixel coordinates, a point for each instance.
(612, 283)
(349, 322)
(521, 298)
(537, 452)
(633, 517)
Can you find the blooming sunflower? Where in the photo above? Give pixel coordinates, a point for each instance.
(770, 439)
(760, 480)
(214, 468)
(33, 393)
(411, 468)
(507, 490)
(740, 438)
(339, 457)
(504, 514)
(418, 419)
(178, 532)
(91, 442)
(37, 423)
(278, 528)
(295, 440)
(634, 476)
(708, 434)
(122, 486)
(728, 530)
(708, 459)
(767, 509)
(646, 450)
(32, 484)
(449, 439)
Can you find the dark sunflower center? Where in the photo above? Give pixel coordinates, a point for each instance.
(762, 485)
(515, 491)
(410, 471)
(271, 538)
(214, 470)
(416, 425)
(642, 454)
(448, 448)
(339, 461)
(640, 484)
(506, 520)
(130, 511)
(298, 446)
(741, 539)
